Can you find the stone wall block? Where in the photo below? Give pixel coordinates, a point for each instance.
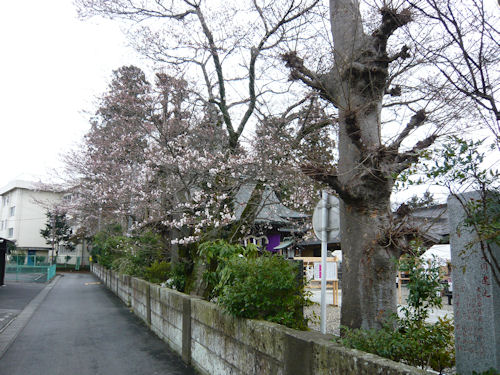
(265, 337)
(204, 360)
(240, 356)
(331, 358)
(267, 365)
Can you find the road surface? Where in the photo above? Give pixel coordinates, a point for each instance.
(82, 328)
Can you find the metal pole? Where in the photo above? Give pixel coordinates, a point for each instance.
(324, 244)
(53, 223)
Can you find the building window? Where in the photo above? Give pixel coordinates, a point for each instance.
(5, 200)
(11, 233)
(12, 211)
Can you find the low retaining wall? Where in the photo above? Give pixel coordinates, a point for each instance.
(217, 343)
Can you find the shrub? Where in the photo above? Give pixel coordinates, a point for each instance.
(178, 276)
(410, 339)
(216, 255)
(417, 345)
(424, 288)
(263, 288)
(107, 246)
(158, 272)
(127, 255)
(129, 264)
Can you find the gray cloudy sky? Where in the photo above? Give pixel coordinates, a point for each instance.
(52, 68)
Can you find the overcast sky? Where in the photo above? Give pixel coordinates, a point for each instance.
(52, 67)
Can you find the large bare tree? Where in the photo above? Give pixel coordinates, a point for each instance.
(368, 75)
(227, 44)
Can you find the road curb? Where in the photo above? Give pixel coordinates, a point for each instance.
(12, 330)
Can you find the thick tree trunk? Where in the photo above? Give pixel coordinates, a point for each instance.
(368, 284)
(368, 273)
(356, 86)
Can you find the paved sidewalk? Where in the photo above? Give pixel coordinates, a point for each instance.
(82, 328)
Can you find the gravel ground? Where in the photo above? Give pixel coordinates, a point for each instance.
(333, 314)
(332, 318)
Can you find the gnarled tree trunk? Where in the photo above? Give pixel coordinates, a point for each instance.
(356, 86)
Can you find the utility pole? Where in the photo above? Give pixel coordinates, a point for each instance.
(53, 224)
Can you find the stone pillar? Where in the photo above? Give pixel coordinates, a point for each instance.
(148, 304)
(186, 330)
(298, 354)
(476, 295)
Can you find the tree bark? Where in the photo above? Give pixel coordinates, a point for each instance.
(356, 85)
(368, 283)
(368, 292)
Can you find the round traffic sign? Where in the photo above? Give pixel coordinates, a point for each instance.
(333, 225)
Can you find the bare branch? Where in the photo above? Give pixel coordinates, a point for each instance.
(404, 160)
(319, 174)
(417, 120)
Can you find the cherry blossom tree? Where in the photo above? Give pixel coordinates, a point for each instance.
(108, 167)
(303, 133)
(153, 159)
(229, 54)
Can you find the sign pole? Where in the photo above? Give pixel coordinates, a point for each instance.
(324, 245)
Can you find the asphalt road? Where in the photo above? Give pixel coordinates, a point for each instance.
(85, 329)
(14, 297)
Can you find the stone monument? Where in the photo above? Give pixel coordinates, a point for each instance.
(476, 295)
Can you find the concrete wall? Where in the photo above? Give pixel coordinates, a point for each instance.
(217, 343)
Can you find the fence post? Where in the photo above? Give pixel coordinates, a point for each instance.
(148, 304)
(298, 356)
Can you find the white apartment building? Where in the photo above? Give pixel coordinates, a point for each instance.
(22, 215)
(23, 208)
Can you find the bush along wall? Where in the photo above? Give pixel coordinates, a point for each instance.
(215, 342)
(409, 338)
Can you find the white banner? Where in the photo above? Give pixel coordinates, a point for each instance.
(331, 271)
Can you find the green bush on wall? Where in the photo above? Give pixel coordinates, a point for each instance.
(158, 272)
(264, 288)
(216, 255)
(410, 339)
(129, 255)
(426, 345)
